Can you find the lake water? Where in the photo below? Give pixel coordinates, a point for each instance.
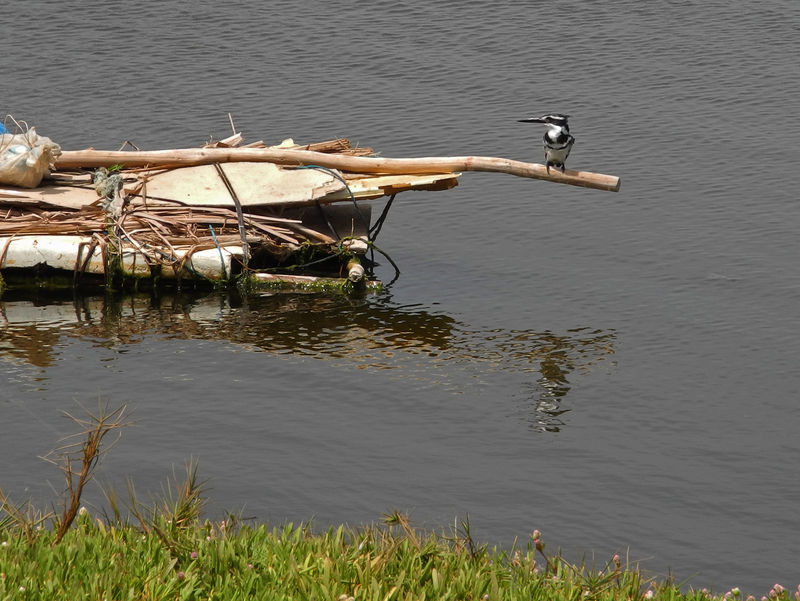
(618, 371)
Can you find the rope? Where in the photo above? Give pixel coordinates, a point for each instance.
(326, 220)
(106, 185)
(372, 233)
(338, 176)
(376, 229)
(219, 248)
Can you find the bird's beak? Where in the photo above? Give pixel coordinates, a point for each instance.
(531, 120)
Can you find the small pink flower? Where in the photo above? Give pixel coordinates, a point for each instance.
(649, 594)
(181, 576)
(193, 555)
(536, 535)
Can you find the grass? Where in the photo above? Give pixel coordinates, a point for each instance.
(205, 560)
(165, 549)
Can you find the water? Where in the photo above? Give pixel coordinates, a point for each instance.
(616, 370)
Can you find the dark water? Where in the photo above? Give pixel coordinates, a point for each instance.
(616, 370)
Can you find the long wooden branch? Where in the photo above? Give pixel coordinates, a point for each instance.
(356, 164)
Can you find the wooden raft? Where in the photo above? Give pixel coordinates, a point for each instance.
(207, 221)
(212, 212)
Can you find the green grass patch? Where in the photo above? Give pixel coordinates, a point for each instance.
(165, 549)
(224, 560)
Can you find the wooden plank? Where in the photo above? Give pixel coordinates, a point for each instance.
(62, 197)
(369, 187)
(255, 184)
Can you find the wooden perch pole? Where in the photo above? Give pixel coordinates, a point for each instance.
(357, 164)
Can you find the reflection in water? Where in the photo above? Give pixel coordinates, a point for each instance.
(369, 333)
(559, 356)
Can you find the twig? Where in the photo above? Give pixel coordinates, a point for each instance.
(95, 429)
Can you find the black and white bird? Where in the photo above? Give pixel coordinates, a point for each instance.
(557, 139)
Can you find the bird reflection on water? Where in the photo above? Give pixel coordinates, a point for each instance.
(369, 333)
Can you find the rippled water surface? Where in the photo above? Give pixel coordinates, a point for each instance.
(616, 370)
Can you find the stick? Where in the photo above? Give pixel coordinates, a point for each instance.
(239, 214)
(203, 156)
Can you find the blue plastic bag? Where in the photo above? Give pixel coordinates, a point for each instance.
(3, 129)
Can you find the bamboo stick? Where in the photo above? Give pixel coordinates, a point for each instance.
(281, 156)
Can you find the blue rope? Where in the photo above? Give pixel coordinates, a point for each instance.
(219, 248)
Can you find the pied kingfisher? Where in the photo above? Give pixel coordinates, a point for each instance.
(557, 139)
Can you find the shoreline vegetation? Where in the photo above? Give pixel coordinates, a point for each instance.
(165, 549)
